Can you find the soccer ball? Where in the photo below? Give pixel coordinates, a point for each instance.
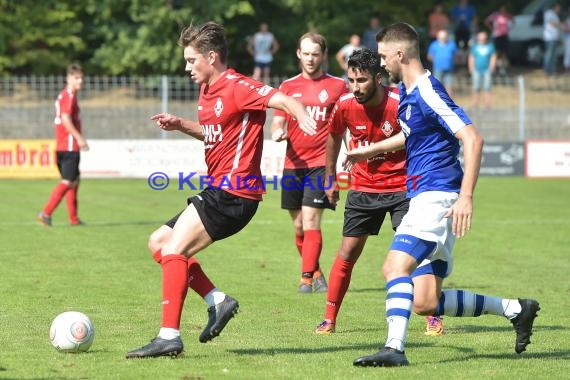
(71, 331)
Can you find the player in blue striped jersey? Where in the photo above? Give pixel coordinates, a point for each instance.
(441, 204)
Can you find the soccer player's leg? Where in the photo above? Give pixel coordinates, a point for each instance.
(70, 171)
(58, 192)
(312, 247)
(313, 204)
(427, 289)
(339, 280)
(221, 307)
(189, 236)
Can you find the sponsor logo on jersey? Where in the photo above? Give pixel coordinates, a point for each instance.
(297, 95)
(360, 127)
(263, 91)
(218, 107)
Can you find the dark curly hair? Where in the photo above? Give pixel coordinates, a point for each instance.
(365, 60)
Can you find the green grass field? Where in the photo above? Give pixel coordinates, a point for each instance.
(518, 247)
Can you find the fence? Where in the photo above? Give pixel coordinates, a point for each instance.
(120, 107)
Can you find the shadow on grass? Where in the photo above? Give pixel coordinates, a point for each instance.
(473, 329)
(470, 355)
(317, 350)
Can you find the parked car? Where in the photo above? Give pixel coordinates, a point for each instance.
(526, 44)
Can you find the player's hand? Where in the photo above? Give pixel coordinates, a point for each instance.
(83, 145)
(356, 155)
(279, 135)
(308, 125)
(331, 190)
(461, 213)
(167, 121)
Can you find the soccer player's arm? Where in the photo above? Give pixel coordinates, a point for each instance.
(170, 122)
(392, 144)
(462, 209)
(279, 128)
(70, 128)
(296, 109)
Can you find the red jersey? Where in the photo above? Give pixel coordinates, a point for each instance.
(318, 96)
(231, 113)
(66, 104)
(385, 172)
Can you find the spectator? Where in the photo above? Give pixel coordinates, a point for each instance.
(262, 46)
(551, 35)
(345, 52)
(441, 53)
(482, 62)
(437, 20)
(464, 19)
(369, 34)
(500, 22)
(566, 29)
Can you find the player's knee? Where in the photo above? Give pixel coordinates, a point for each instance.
(424, 307)
(155, 241)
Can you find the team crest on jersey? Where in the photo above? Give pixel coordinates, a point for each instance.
(408, 112)
(387, 128)
(219, 107)
(323, 96)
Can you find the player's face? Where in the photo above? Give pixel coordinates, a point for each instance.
(75, 81)
(311, 57)
(389, 60)
(198, 66)
(362, 84)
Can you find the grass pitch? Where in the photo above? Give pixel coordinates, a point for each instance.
(518, 247)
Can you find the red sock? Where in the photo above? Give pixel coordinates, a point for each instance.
(157, 256)
(57, 193)
(174, 289)
(299, 244)
(312, 245)
(197, 279)
(71, 197)
(339, 279)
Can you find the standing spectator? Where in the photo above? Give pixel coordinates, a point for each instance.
(344, 53)
(369, 34)
(566, 29)
(500, 22)
(262, 46)
(551, 35)
(231, 114)
(482, 63)
(437, 20)
(464, 21)
(441, 53)
(305, 156)
(69, 141)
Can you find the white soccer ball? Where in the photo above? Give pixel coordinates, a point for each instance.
(72, 331)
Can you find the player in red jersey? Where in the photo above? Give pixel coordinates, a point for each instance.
(231, 115)
(377, 185)
(305, 157)
(69, 141)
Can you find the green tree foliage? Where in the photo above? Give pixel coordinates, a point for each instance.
(139, 37)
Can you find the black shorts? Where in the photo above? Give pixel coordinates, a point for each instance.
(223, 214)
(304, 187)
(501, 44)
(364, 212)
(68, 165)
